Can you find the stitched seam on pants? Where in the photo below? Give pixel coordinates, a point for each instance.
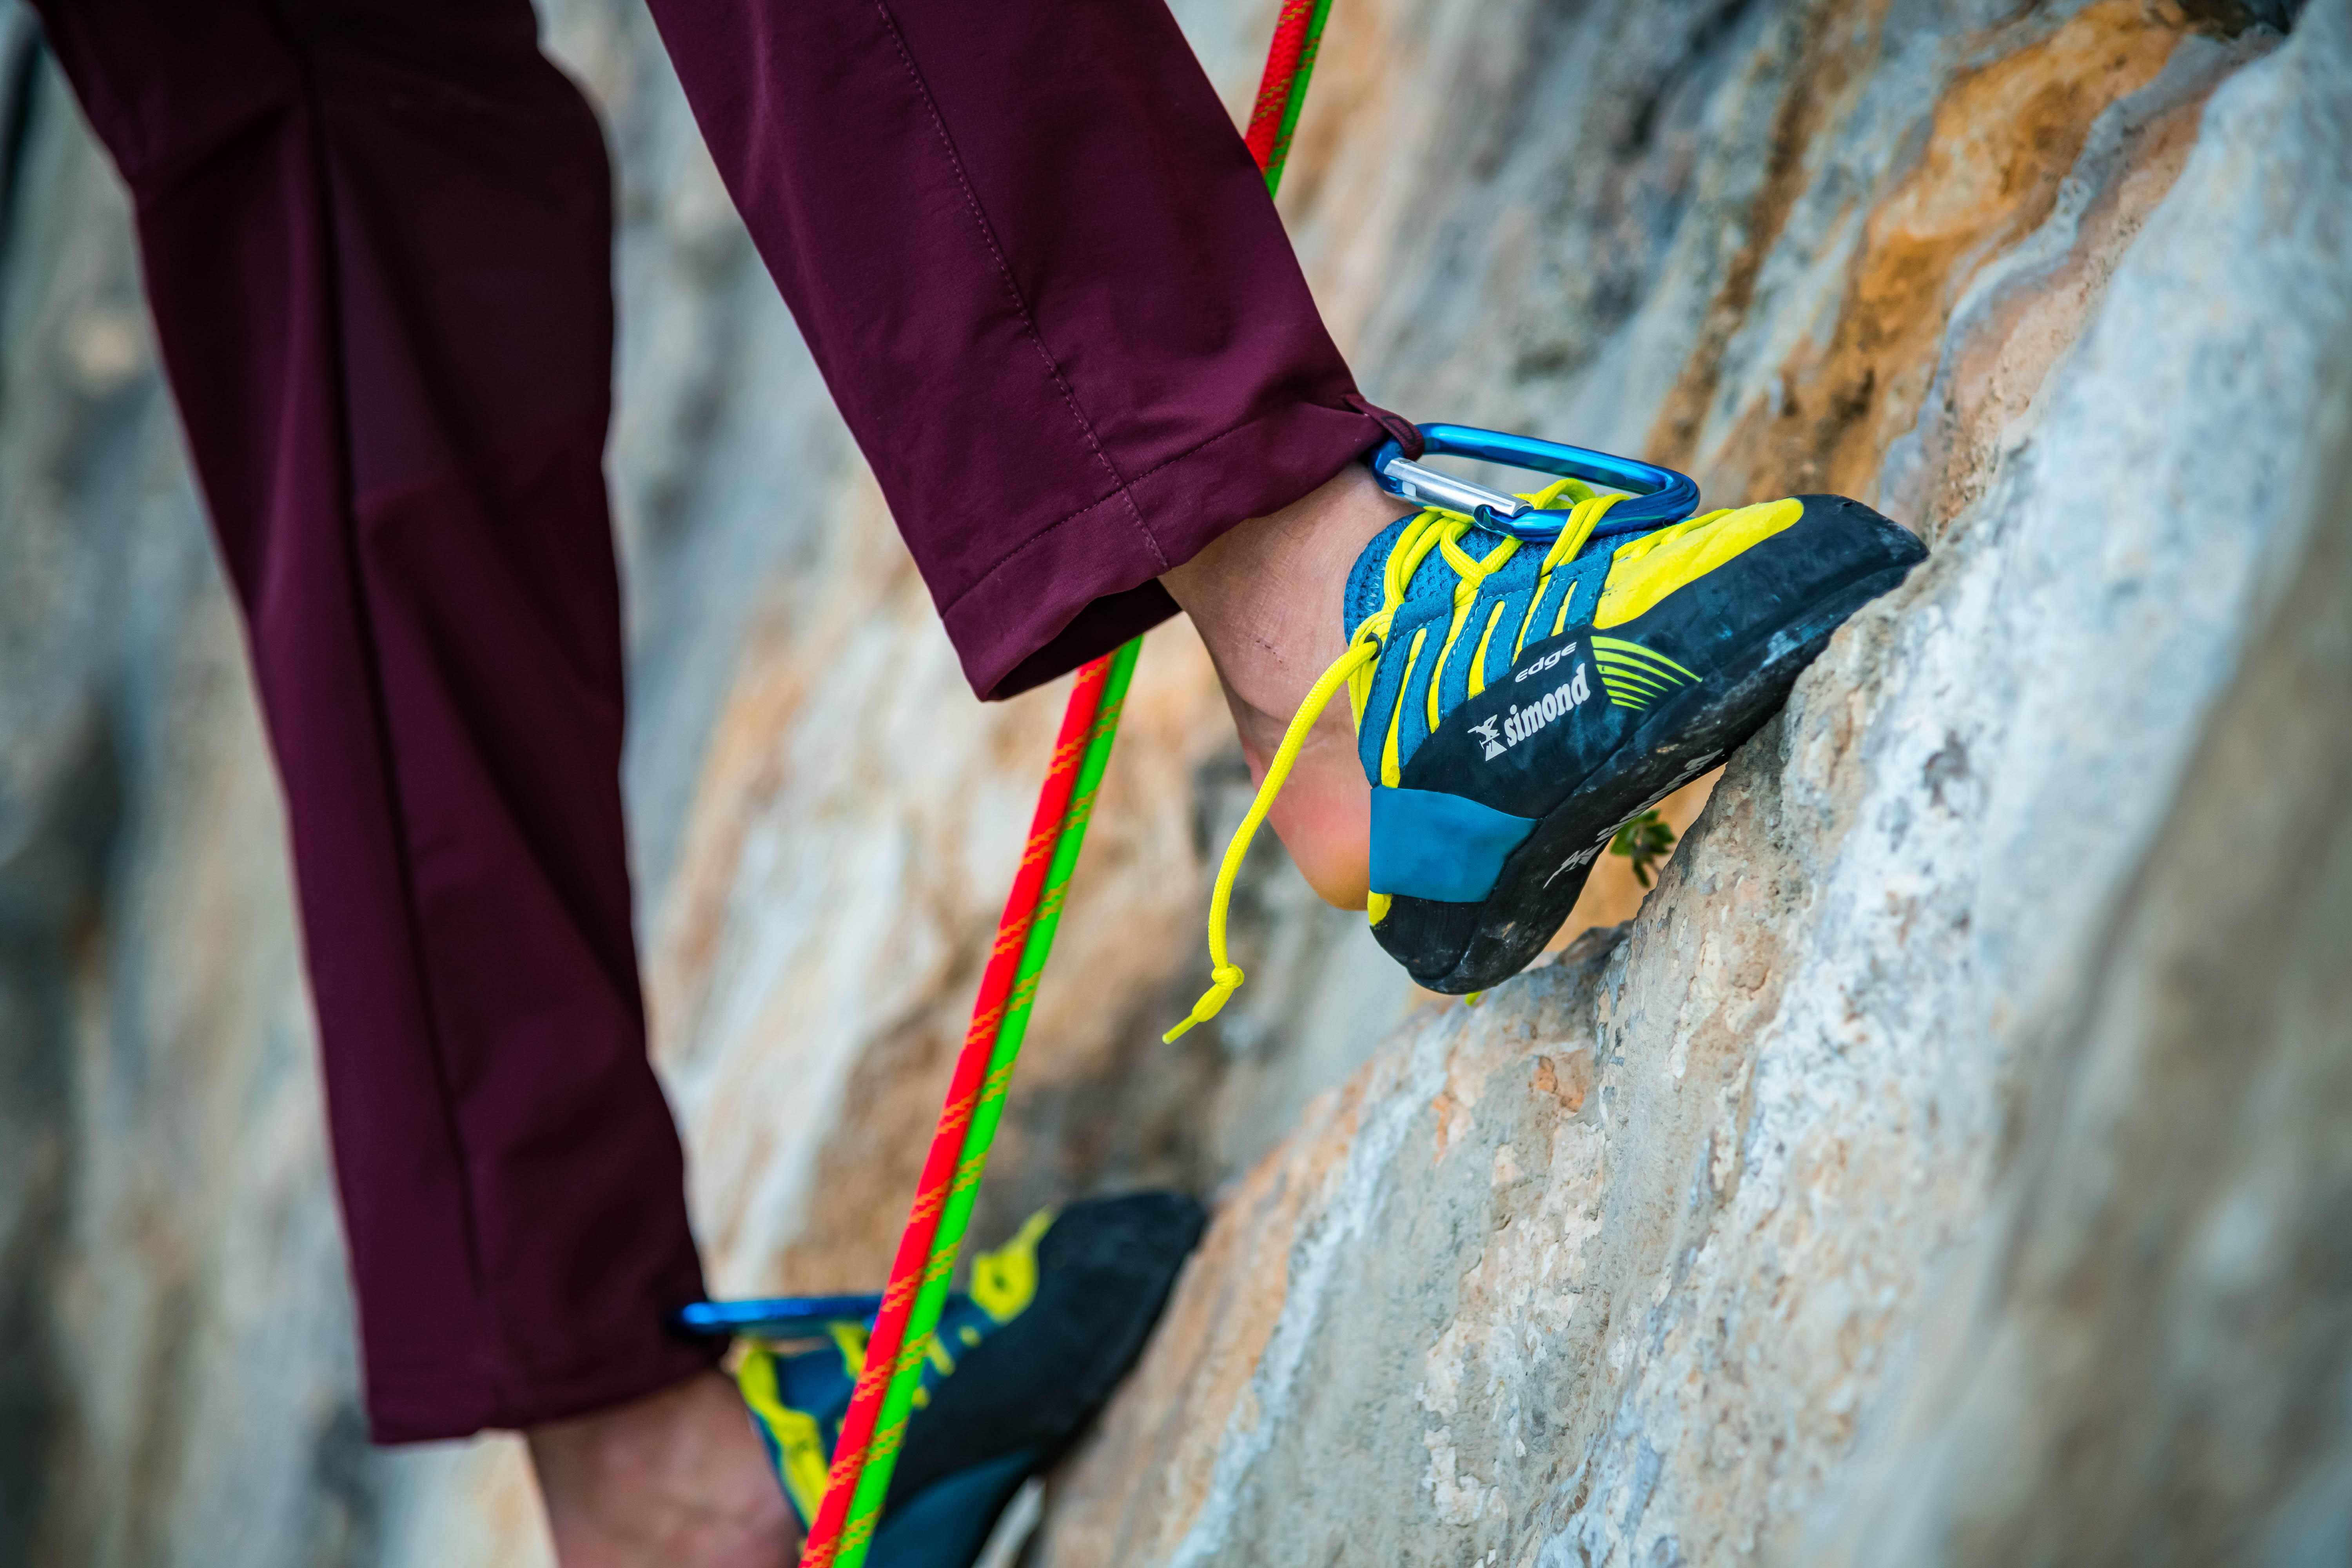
(380, 716)
(1004, 270)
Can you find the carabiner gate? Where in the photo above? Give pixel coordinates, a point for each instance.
(1659, 495)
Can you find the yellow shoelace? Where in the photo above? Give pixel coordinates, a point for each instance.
(1431, 529)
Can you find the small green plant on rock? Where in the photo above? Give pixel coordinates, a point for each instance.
(1644, 840)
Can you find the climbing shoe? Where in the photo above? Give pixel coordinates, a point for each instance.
(1016, 1368)
(1529, 673)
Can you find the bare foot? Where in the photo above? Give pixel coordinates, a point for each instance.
(1265, 597)
(676, 1480)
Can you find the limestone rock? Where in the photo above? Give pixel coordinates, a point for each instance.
(1949, 1164)
(1936, 1168)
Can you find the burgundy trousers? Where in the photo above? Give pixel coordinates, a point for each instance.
(1046, 285)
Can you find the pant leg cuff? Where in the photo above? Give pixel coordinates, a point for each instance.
(1081, 585)
(417, 1406)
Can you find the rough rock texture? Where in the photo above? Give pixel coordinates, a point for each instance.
(1950, 1164)
(1938, 1168)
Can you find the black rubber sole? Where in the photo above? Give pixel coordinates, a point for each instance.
(1688, 734)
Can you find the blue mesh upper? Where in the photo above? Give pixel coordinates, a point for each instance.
(1429, 607)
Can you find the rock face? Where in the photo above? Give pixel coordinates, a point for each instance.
(1950, 1164)
(1947, 1164)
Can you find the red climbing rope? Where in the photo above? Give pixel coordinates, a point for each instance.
(1297, 33)
(1280, 93)
(883, 1346)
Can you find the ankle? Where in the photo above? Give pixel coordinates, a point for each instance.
(676, 1480)
(1267, 599)
(1266, 595)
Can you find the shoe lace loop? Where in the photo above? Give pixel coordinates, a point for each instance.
(1434, 529)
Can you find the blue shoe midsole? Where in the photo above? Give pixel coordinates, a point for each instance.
(1429, 844)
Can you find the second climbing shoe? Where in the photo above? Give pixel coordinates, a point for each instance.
(1016, 1368)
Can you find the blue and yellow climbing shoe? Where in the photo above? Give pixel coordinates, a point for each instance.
(1529, 673)
(1017, 1369)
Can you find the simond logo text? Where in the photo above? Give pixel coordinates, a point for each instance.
(1503, 731)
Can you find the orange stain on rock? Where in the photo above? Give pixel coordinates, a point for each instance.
(1999, 145)
(1995, 365)
(1567, 1078)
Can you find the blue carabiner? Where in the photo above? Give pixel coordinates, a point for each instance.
(777, 1317)
(1659, 495)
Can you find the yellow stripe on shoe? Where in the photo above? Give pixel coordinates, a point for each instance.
(1634, 675)
(1391, 769)
(1004, 1283)
(1478, 659)
(800, 1447)
(1647, 569)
